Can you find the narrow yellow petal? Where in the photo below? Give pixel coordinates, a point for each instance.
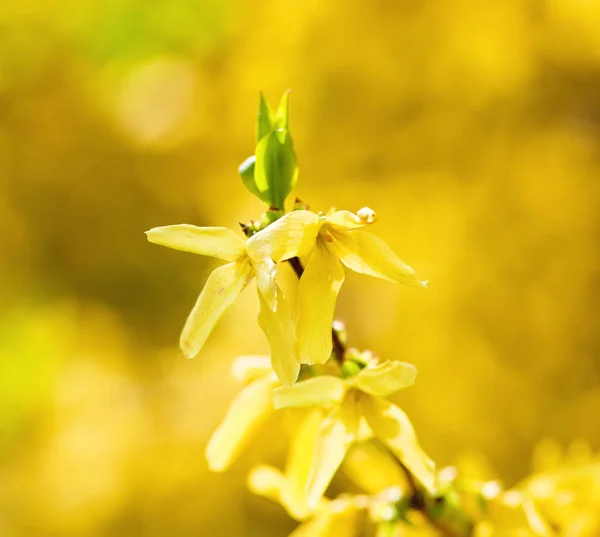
(319, 526)
(317, 294)
(248, 368)
(251, 407)
(337, 433)
(340, 519)
(299, 465)
(294, 234)
(372, 468)
(366, 253)
(278, 326)
(266, 481)
(348, 220)
(222, 288)
(212, 241)
(385, 379)
(392, 426)
(317, 391)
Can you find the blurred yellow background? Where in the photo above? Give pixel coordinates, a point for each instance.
(472, 128)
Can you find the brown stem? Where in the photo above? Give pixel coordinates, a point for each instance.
(338, 346)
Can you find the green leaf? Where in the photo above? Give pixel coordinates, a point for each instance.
(265, 121)
(281, 120)
(276, 171)
(246, 170)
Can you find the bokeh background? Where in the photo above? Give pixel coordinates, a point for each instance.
(473, 128)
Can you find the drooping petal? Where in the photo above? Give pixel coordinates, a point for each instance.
(317, 294)
(317, 391)
(248, 368)
(337, 433)
(392, 426)
(340, 519)
(368, 254)
(294, 234)
(279, 328)
(266, 481)
(372, 468)
(349, 220)
(222, 288)
(212, 241)
(251, 407)
(385, 379)
(299, 465)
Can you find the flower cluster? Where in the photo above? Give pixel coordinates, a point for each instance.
(339, 396)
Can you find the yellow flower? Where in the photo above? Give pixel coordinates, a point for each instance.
(222, 288)
(341, 517)
(326, 241)
(247, 412)
(356, 411)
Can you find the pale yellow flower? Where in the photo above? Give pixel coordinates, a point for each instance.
(354, 406)
(325, 241)
(566, 490)
(341, 517)
(247, 412)
(222, 288)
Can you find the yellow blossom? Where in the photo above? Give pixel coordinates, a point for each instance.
(247, 412)
(341, 517)
(325, 241)
(354, 406)
(222, 288)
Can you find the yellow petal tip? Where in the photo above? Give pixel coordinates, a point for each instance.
(188, 353)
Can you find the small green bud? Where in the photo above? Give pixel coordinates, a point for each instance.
(350, 368)
(272, 173)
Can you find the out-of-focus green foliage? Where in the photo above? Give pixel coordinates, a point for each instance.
(472, 128)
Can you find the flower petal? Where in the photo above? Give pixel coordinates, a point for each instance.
(392, 426)
(248, 368)
(299, 465)
(213, 241)
(385, 379)
(337, 433)
(372, 468)
(366, 253)
(279, 328)
(294, 234)
(317, 294)
(317, 391)
(349, 220)
(266, 481)
(222, 288)
(251, 407)
(340, 519)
